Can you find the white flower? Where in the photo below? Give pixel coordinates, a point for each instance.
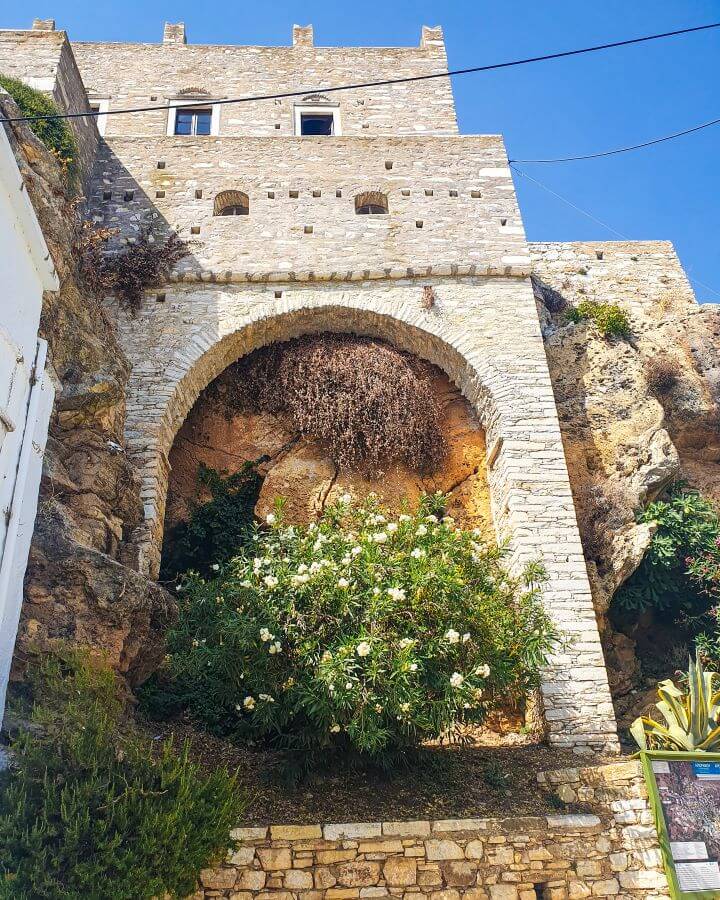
(396, 593)
(265, 635)
(275, 648)
(413, 667)
(346, 498)
(391, 527)
(376, 591)
(215, 567)
(466, 637)
(246, 584)
(456, 679)
(249, 703)
(363, 648)
(380, 537)
(314, 568)
(297, 580)
(378, 708)
(271, 518)
(448, 520)
(404, 518)
(432, 519)
(405, 707)
(421, 530)
(483, 671)
(346, 560)
(271, 581)
(356, 551)
(266, 697)
(348, 685)
(452, 636)
(417, 553)
(312, 526)
(343, 583)
(334, 729)
(302, 568)
(326, 656)
(405, 642)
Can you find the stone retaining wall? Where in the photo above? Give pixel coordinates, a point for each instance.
(609, 852)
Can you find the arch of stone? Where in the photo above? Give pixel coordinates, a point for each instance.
(484, 333)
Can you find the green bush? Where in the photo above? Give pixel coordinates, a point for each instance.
(90, 810)
(364, 633)
(216, 529)
(679, 572)
(609, 319)
(54, 133)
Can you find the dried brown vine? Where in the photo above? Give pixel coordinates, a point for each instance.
(366, 402)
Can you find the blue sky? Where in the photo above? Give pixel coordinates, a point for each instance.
(562, 108)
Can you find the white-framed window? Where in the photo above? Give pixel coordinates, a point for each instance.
(100, 105)
(317, 119)
(198, 119)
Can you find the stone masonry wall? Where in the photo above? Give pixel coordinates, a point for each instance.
(484, 333)
(44, 60)
(149, 74)
(450, 200)
(612, 852)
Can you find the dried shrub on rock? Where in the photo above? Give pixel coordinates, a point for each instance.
(366, 402)
(662, 373)
(128, 273)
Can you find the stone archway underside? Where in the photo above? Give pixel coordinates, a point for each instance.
(484, 333)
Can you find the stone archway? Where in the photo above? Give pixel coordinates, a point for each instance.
(484, 334)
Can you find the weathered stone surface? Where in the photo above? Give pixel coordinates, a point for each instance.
(358, 873)
(400, 871)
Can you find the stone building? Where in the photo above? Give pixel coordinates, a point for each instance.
(332, 211)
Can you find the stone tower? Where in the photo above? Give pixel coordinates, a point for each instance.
(333, 211)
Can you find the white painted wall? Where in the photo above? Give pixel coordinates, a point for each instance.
(26, 390)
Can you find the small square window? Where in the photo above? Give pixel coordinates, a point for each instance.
(193, 121)
(316, 124)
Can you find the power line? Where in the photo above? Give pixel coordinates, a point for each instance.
(616, 150)
(609, 228)
(370, 84)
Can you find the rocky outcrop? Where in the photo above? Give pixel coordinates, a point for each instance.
(636, 414)
(80, 585)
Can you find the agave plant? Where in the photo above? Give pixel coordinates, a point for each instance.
(692, 716)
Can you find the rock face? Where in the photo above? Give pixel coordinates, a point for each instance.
(302, 473)
(635, 414)
(80, 585)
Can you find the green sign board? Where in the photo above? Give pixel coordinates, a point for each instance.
(684, 791)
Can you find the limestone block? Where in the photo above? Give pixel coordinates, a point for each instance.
(218, 879)
(298, 880)
(400, 871)
(360, 873)
(460, 874)
(443, 849)
(274, 858)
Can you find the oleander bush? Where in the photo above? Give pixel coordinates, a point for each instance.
(89, 809)
(609, 319)
(365, 633)
(367, 403)
(54, 133)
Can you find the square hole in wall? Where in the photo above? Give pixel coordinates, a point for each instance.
(317, 193)
(159, 298)
(198, 195)
(308, 229)
(453, 193)
(107, 195)
(475, 194)
(153, 97)
(419, 223)
(503, 222)
(159, 194)
(195, 229)
(360, 102)
(388, 164)
(338, 193)
(598, 254)
(278, 295)
(161, 164)
(128, 195)
(405, 193)
(271, 195)
(365, 125)
(428, 193)
(294, 195)
(277, 126)
(278, 103)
